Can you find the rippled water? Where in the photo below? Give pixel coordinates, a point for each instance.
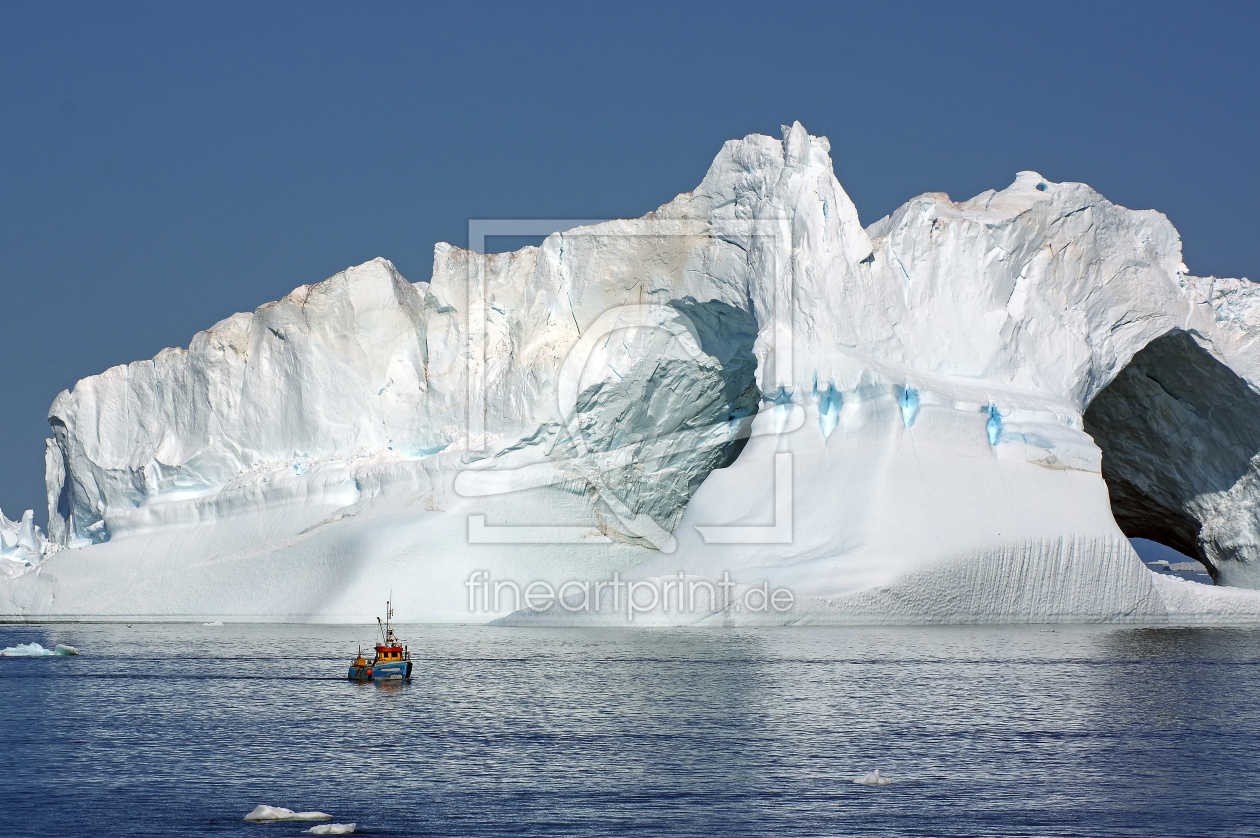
(182, 729)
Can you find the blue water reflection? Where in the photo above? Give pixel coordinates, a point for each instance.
(1090, 731)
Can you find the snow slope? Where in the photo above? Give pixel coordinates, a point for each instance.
(906, 423)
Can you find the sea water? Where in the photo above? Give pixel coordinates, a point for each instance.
(1005, 731)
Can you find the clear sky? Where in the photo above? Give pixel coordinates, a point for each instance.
(163, 165)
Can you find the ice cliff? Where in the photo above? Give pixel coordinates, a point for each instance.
(956, 414)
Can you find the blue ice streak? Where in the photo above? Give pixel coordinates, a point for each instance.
(829, 404)
(994, 425)
(908, 398)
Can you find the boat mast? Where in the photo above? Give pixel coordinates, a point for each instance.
(387, 632)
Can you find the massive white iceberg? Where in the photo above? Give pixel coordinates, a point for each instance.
(741, 408)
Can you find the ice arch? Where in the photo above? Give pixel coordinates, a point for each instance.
(1180, 441)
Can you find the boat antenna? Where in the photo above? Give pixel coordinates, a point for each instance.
(386, 631)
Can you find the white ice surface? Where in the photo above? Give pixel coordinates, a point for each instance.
(26, 650)
(35, 650)
(874, 778)
(332, 829)
(22, 545)
(279, 813)
(915, 394)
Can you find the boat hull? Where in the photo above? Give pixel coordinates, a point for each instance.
(391, 671)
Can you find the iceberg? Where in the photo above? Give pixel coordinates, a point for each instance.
(332, 829)
(264, 814)
(874, 778)
(35, 650)
(742, 408)
(26, 650)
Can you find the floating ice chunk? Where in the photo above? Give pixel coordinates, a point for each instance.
(279, 813)
(873, 779)
(35, 650)
(26, 650)
(332, 829)
(215, 623)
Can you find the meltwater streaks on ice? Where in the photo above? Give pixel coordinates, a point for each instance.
(994, 425)
(783, 407)
(908, 399)
(829, 404)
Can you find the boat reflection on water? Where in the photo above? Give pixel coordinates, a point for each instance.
(392, 687)
(392, 661)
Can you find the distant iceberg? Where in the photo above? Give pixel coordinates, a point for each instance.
(874, 778)
(35, 650)
(957, 414)
(262, 813)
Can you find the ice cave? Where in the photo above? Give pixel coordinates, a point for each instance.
(1179, 438)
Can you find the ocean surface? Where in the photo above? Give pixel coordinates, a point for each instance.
(178, 730)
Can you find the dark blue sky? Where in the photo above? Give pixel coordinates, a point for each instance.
(162, 166)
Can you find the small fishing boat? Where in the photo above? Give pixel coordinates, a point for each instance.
(392, 661)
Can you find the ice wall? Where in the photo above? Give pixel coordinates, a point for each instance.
(891, 422)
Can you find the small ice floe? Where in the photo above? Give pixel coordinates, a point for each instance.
(215, 623)
(873, 779)
(34, 650)
(332, 829)
(279, 813)
(26, 650)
